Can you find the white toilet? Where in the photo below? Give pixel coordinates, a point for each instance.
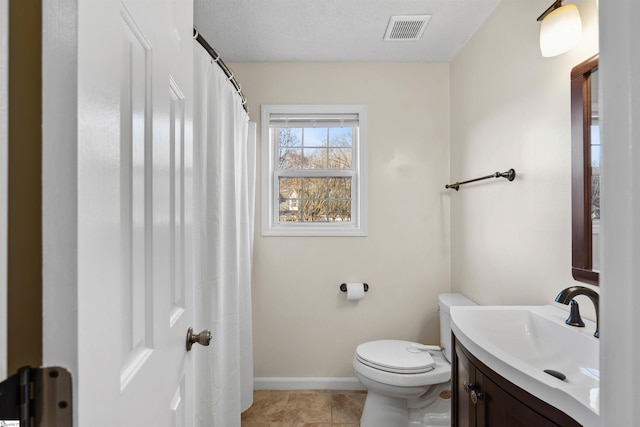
(408, 384)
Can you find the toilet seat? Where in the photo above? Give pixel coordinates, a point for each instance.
(395, 356)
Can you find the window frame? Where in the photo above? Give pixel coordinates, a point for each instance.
(271, 224)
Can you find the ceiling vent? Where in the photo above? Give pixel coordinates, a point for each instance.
(406, 27)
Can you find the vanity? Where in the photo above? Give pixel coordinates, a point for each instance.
(482, 397)
(499, 358)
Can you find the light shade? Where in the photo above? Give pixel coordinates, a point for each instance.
(560, 30)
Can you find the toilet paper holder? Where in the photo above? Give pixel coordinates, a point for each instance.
(343, 287)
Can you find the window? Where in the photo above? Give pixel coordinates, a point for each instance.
(313, 170)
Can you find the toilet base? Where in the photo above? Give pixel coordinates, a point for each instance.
(386, 411)
(436, 415)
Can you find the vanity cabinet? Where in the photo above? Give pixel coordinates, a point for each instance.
(481, 397)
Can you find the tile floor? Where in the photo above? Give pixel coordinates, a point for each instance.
(304, 408)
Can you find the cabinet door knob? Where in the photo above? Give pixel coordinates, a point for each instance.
(473, 390)
(475, 394)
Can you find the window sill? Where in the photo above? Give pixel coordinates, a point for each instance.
(318, 230)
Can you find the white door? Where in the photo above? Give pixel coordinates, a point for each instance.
(134, 208)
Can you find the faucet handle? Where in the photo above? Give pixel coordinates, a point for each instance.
(574, 318)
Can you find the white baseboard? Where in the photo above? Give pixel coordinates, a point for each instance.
(307, 383)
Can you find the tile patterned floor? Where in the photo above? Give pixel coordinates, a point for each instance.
(304, 408)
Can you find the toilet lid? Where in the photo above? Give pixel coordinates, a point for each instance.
(395, 356)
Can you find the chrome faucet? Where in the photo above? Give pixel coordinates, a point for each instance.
(567, 295)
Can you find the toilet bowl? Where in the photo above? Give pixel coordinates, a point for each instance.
(408, 384)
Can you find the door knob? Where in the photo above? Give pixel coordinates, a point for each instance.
(203, 338)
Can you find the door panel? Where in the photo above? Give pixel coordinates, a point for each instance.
(136, 210)
(134, 214)
(177, 406)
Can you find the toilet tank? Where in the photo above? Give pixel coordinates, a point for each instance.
(445, 302)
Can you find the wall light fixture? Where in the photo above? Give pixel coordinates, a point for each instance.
(560, 29)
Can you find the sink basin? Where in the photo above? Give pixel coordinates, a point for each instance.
(521, 342)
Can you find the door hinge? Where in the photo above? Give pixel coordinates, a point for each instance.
(37, 397)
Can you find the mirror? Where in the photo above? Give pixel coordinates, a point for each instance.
(585, 171)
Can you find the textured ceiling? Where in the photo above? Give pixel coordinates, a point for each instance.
(335, 30)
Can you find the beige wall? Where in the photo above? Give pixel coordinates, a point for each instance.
(510, 108)
(303, 325)
(510, 242)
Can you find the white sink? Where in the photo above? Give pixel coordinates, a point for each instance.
(521, 342)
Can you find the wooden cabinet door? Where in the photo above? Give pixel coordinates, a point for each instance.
(498, 402)
(497, 408)
(464, 373)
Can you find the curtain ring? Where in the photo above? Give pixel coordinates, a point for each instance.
(230, 77)
(195, 33)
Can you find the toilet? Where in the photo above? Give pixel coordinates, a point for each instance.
(408, 384)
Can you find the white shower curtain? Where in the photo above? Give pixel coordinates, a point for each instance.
(224, 159)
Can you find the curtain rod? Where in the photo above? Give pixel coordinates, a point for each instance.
(510, 175)
(216, 58)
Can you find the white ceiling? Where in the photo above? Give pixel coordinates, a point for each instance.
(335, 30)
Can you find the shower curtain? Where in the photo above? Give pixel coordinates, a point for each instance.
(224, 156)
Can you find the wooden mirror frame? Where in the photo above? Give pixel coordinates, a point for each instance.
(581, 229)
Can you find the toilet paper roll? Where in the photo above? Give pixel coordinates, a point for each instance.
(355, 291)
